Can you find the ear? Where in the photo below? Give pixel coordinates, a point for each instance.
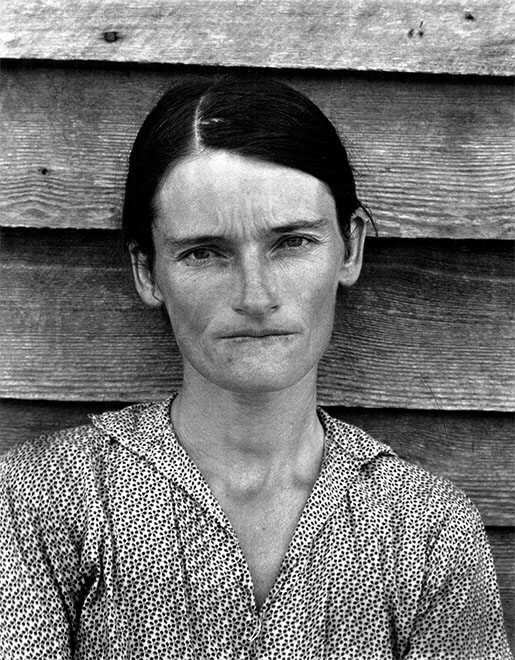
(354, 245)
(144, 279)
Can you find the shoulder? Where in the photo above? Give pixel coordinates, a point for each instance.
(49, 450)
(40, 473)
(69, 453)
(57, 481)
(70, 445)
(402, 489)
(420, 499)
(66, 463)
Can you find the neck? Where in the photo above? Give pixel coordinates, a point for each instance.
(250, 441)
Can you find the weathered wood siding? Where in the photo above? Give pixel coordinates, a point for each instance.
(432, 153)
(422, 353)
(427, 326)
(405, 35)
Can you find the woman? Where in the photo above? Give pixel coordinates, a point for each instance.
(236, 519)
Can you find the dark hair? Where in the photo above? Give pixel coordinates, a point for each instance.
(259, 118)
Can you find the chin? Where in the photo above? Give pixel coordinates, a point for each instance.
(262, 381)
(255, 374)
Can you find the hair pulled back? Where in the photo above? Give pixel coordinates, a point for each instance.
(259, 118)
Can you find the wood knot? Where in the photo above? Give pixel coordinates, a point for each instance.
(469, 17)
(111, 36)
(420, 31)
(43, 170)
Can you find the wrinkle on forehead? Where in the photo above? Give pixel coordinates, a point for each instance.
(223, 192)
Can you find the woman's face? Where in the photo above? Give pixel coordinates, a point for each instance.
(248, 257)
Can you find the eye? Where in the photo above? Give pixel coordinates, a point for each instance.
(292, 242)
(198, 256)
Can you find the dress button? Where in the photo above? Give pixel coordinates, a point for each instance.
(256, 632)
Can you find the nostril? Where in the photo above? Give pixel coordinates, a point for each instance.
(254, 286)
(256, 301)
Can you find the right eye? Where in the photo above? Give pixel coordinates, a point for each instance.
(198, 256)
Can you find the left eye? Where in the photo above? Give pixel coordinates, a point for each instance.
(293, 241)
(200, 254)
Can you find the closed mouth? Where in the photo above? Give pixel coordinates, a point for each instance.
(250, 334)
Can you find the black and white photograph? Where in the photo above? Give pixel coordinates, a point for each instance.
(257, 347)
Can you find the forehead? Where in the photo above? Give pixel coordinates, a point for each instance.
(220, 188)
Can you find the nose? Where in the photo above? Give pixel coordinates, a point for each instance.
(255, 290)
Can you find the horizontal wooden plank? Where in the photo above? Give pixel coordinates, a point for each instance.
(433, 156)
(428, 325)
(471, 449)
(408, 35)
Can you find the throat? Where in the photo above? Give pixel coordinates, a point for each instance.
(248, 432)
(261, 468)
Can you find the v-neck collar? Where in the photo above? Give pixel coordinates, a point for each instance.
(146, 430)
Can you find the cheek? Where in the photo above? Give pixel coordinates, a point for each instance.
(188, 305)
(317, 288)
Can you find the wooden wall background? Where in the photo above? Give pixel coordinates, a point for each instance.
(422, 354)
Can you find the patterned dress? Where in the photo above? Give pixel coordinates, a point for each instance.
(113, 547)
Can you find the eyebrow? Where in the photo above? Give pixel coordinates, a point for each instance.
(186, 241)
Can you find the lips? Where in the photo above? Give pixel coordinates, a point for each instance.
(256, 334)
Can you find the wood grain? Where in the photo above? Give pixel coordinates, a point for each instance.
(408, 35)
(471, 449)
(433, 155)
(427, 327)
